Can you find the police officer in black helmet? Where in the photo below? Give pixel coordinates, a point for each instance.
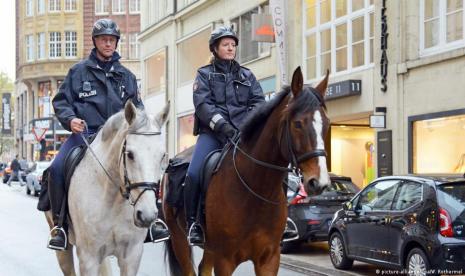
(224, 93)
(94, 90)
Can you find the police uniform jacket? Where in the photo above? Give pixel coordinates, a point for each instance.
(224, 90)
(93, 94)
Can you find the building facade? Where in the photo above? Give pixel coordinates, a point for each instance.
(395, 74)
(51, 36)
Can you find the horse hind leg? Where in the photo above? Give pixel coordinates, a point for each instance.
(206, 265)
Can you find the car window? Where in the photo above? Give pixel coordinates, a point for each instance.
(342, 186)
(409, 194)
(451, 196)
(379, 196)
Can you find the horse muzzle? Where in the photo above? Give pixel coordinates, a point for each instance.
(144, 219)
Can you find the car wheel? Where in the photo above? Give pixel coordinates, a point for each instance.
(337, 252)
(28, 191)
(288, 247)
(417, 263)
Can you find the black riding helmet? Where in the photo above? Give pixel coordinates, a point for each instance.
(219, 33)
(105, 26)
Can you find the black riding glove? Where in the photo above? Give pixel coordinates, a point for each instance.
(225, 129)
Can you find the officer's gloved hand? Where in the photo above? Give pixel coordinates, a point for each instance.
(225, 129)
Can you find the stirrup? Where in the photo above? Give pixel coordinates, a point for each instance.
(54, 247)
(159, 221)
(190, 232)
(292, 229)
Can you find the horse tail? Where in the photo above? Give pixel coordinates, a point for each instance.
(170, 257)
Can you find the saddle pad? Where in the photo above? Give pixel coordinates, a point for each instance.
(177, 170)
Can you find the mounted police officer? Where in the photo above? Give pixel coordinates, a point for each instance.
(94, 90)
(224, 93)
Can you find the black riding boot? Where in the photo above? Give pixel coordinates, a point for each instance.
(191, 198)
(157, 232)
(58, 239)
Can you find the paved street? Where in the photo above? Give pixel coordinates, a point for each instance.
(24, 233)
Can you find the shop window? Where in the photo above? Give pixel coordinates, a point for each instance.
(155, 71)
(338, 36)
(249, 50)
(438, 144)
(189, 63)
(441, 25)
(185, 129)
(353, 152)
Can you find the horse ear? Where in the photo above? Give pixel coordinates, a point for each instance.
(163, 115)
(129, 112)
(323, 85)
(297, 82)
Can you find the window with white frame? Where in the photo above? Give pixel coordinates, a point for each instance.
(54, 45)
(29, 8)
(70, 44)
(40, 6)
(118, 6)
(159, 9)
(134, 6)
(54, 5)
(122, 46)
(102, 6)
(249, 50)
(29, 47)
(40, 45)
(133, 46)
(70, 5)
(441, 25)
(338, 35)
(183, 3)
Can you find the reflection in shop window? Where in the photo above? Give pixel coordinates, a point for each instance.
(155, 71)
(185, 130)
(189, 63)
(438, 145)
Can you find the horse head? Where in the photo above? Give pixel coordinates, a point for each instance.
(307, 126)
(141, 159)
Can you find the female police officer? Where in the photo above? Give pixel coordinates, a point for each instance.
(94, 90)
(224, 92)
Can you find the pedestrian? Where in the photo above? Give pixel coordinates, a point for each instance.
(224, 93)
(93, 90)
(15, 171)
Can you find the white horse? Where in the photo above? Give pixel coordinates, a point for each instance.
(110, 214)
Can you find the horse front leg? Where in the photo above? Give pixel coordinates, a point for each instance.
(66, 261)
(129, 261)
(224, 266)
(206, 265)
(88, 264)
(269, 265)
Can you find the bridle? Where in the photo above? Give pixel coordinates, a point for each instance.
(127, 186)
(294, 159)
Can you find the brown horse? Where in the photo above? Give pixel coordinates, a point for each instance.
(245, 206)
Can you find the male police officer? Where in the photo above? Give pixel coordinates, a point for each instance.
(94, 90)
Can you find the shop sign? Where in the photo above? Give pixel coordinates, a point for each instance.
(344, 89)
(384, 142)
(378, 121)
(277, 10)
(6, 115)
(384, 46)
(262, 27)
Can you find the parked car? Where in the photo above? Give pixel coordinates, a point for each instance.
(7, 173)
(413, 222)
(310, 216)
(35, 176)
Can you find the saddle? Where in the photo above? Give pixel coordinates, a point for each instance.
(177, 170)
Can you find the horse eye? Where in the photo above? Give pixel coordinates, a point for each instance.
(130, 155)
(298, 124)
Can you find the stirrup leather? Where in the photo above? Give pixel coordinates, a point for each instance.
(56, 228)
(190, 232)
(292, 228)
(159, 221)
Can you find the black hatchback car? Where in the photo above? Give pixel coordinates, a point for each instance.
(310, 216)
(413, 222)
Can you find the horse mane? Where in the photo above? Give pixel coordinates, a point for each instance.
(306, 101)
(255, 122)
(115, 122)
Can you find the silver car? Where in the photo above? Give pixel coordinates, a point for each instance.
(35, 176)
